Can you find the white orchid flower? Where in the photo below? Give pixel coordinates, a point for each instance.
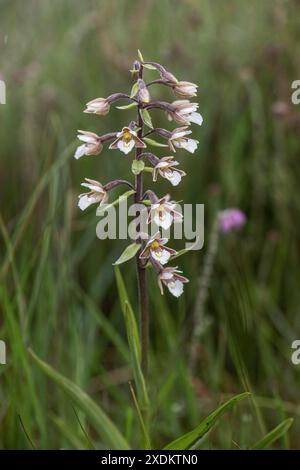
(185, 112)
(165, 168)
(173, 280)
(97, 194)
(92, 144)
(126, 140)
(156, 249)
(163, 213)
(178, 139)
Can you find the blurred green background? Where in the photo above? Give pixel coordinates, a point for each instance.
(57, 287)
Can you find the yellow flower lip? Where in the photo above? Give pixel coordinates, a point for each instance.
(127, 136)
(154, 245)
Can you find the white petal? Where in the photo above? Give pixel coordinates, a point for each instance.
(189, 109)
(178, 135)
(196, 118)
(192, 145)
(160, 255)
(93, 187)
(162, 164)
(189, 144)
(125, 147)
(166, 274)
(86, 138)
(92, 108)
(178, 217)
(155, 218)
(173, 176)
(165, 221)
(85, 201)
(175, 287)
(80, 152)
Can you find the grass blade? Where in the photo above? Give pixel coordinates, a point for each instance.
(188, 440)
(101, 422)
(273, 435)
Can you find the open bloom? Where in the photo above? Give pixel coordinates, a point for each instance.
(163, 213)
(165, 168)
(96, 194)
(172, 279)
(156, 249)
(231, 219)
(185, 112)
(178, 139)
(92, 144)
(185, 89)
(126, 140)
(99, 106)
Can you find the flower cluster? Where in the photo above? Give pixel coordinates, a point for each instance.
(161, 210)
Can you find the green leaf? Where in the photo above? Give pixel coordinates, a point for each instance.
(101, 422)
(137, 167)
(106, 207)
(153, 142)
(147, 443)
(134, 90)
(133, 340)
(140, 56)
(129, 252)
(273, 435)
(188, 440)
(127, 106)
(146, 118)
(149, 66)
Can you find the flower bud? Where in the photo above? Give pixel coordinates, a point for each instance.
(143, 93)
(98, 106)
(185, 89)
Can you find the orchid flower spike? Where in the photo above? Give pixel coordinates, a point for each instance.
(161, 211)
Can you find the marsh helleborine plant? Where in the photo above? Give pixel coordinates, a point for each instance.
(161, 210)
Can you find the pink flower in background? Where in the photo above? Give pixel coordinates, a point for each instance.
(231, 219)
